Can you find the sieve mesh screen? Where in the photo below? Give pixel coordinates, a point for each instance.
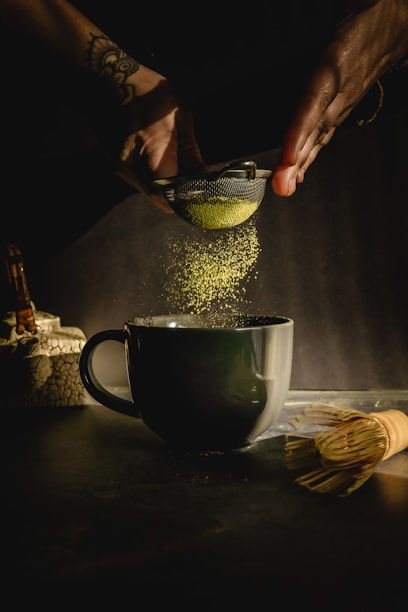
(217, 201)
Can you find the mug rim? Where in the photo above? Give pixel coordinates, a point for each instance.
(228, 321)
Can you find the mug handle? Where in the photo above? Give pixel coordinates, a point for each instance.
(89, 379)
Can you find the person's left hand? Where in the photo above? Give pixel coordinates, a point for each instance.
(149, 134)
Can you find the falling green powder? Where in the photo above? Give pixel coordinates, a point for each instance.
(210, 271)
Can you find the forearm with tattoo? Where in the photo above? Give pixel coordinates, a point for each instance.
(108, 61)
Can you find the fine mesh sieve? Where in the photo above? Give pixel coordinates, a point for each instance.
(218, 200)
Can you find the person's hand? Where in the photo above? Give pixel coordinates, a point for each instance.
(367, 43)
(147, 131)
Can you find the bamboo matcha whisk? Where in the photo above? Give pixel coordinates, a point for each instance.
(343, 446)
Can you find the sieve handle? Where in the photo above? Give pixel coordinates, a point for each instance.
(238, 169)
(250, 166)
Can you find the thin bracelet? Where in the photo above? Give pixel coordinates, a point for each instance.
(401, 64)
(361, 122)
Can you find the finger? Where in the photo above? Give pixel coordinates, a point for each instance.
(305, 134)
(314, 151)
(286, 178)
(308, 116)
(287, 175)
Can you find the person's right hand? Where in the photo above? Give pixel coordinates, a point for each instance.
(365, 45)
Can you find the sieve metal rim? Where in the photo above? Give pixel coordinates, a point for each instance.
(245, 170)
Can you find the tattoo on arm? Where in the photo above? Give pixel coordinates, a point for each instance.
(108, 61)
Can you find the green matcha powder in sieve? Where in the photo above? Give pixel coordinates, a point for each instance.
(216, 212)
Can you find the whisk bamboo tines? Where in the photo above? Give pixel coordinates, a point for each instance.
(343, 446)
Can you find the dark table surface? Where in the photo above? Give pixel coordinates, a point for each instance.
(89, 495)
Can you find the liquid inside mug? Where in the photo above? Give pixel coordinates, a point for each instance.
(201, 383)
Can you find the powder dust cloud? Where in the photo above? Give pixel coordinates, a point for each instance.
(209, 272)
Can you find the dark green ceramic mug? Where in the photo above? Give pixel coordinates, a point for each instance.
(202, 383)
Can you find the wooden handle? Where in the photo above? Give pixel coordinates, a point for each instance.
(396, 423)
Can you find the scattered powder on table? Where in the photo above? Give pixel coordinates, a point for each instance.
(210, 271)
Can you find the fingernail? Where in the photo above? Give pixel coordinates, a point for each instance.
(291, 186)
